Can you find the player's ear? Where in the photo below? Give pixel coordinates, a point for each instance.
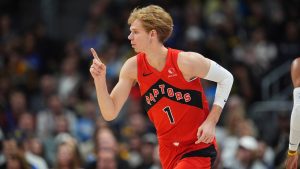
(153, 33)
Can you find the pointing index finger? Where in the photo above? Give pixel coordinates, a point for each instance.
(95, 54)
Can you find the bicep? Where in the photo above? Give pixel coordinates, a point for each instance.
(121, 92)
(295, 73)
(194, 64)
(122, 89)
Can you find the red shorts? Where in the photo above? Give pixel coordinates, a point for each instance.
(187, 156)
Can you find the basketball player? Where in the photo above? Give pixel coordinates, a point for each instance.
(173, 97)
(292, 159)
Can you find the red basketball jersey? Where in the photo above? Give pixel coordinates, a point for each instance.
(175, 106)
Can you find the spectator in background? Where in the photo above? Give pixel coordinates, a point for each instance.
(47, 87)
(114, 62)
(85, 128)
(67, 156)
(258, 53)
(27, 123)
(47, 118)
(265, 154)
(106, 151)
(68, 79)
(230, 147)
(35, 146)
(194, 33)
(289, 46)
(12, 113)
(91, 36)
(6, 30)
(26, 147)
(31, 56)
(5, 86)
(246, 154)
(134, 148)
(156, 163)
(106, 159)
(61, 132)
(15, 156)
(245, 83)
(149, 141)
(16, 161)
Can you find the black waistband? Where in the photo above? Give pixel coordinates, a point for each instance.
(209, 151)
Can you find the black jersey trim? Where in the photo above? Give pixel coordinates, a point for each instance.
(160, 89)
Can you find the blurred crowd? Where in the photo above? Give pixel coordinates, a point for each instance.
(49, 115)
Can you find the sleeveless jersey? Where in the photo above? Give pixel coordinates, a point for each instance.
(175, 106)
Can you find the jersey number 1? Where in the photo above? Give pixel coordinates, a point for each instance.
(169, 113)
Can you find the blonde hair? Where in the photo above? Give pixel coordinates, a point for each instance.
(153, 17)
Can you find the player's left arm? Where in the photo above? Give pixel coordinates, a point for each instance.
(195, 65)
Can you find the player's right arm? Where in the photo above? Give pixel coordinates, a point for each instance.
(111, 104)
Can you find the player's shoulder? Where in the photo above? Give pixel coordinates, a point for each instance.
(190, 55)
(192, 63)
(130, 67)
(296, 60)
(190, 58)
(296, 63)
(132, 60)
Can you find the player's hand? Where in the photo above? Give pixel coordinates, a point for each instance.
(206, 132)
(97, 69)
(292, 162)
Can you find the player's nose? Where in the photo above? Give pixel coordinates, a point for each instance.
(130, 36)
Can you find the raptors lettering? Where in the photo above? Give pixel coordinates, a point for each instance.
(168, 92)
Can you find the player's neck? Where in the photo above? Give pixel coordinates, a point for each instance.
(156, 56)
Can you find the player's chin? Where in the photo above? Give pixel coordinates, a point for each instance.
(136, 50)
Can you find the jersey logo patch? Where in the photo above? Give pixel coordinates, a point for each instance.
(172, 72)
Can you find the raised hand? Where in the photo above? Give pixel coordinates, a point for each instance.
(97, 69)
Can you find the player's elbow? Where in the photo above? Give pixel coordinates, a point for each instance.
(231, 78)
(228, 81)
(297, 82)
(109, 116)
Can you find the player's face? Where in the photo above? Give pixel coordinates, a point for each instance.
(138, 36)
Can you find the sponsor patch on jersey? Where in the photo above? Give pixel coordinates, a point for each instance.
(172, 72)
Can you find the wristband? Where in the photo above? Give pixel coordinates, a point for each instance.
(292, 153)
